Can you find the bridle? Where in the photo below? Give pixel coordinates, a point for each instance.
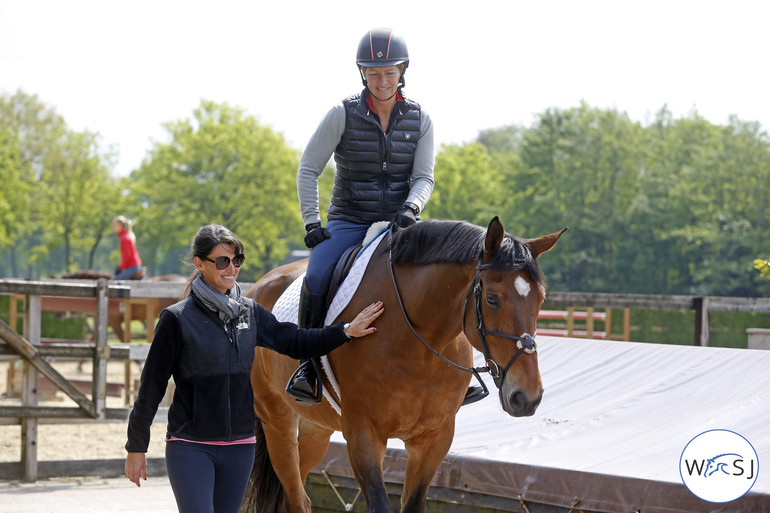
(525, 343)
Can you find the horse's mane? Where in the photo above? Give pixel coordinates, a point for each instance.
(437, 241)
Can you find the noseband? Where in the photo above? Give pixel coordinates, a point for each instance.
(525, 344)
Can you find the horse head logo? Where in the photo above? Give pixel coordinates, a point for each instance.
(716, 464)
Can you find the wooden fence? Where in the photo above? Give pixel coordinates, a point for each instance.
(94, 297)
(701, 305)
(101, 294)
(588, 317)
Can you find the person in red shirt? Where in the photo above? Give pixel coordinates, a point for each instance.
(130, 263)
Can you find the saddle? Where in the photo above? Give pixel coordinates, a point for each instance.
(348, 258)
(140, 274)
(340, 272)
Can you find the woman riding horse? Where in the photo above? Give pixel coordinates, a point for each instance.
(450, 286)
(383, 146)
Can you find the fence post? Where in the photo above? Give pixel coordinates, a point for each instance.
(590, 322)
(99, 378)
(13, 320)
(127, 316)
(29, 392)
(626, 324)
(702, 321)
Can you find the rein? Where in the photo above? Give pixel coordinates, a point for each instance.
(525, 344)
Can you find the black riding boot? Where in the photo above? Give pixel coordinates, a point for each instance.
(304, 385)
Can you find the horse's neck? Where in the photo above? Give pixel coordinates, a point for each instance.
(437, 290)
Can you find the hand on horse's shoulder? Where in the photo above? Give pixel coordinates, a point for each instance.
(362, 324)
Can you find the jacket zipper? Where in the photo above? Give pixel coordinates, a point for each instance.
(384, 177)
(384, 155)
(229, 403)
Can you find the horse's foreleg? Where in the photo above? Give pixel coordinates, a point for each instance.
(116, 323)
(313, 444)
(366, 452)
(424, 456)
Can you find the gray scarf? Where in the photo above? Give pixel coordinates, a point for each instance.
(228, 306)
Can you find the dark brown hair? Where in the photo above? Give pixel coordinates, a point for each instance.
(207, 238)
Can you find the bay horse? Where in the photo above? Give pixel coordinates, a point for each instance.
(139, 311)
(447, 286)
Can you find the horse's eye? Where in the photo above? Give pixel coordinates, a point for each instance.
(492, 300)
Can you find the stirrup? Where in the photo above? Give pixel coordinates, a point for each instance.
(302, 397)
(475, 393)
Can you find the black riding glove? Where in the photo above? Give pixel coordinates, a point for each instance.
(406, 216)
(316, 234)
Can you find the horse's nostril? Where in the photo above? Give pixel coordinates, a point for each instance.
(521, 405)
(517, 400)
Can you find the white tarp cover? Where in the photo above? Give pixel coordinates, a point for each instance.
(611, 428)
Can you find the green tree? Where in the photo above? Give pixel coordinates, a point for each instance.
(467, 185)
(221, 166)
(579, 168)
(65, 176)
(708, 203)
(516, 181)
(77, 190)
(35, 125)
(739, 210)
(14, 194)
(676, 207)
(763, 266)
(34, 129)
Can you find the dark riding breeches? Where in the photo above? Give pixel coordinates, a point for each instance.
(208, 478)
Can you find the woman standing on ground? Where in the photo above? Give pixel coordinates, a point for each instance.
(206, 343)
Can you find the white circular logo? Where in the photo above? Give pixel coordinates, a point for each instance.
(719, 465)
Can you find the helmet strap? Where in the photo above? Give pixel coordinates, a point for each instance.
(380, 99)
(363, 77)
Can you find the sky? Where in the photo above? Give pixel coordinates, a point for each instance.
(123, 69)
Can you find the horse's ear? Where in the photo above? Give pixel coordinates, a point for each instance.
(495, 234)
(544, 243)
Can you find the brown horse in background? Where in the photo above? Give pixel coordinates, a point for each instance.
(139, 310)
(447, 286)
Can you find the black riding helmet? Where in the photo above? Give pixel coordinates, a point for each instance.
(379, 48)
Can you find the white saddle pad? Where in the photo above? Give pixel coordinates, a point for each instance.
(287, 306)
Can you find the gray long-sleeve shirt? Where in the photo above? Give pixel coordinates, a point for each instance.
(321, 147)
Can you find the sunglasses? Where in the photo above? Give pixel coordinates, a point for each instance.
(223, 262)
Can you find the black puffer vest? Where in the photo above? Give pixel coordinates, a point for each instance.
(373, 168)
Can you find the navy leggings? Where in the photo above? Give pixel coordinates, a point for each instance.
(209, 478)
(325, 255)
(127, 273)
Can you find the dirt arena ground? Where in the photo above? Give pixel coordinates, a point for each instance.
(79, 441)
(86, 495)
(74, 441)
